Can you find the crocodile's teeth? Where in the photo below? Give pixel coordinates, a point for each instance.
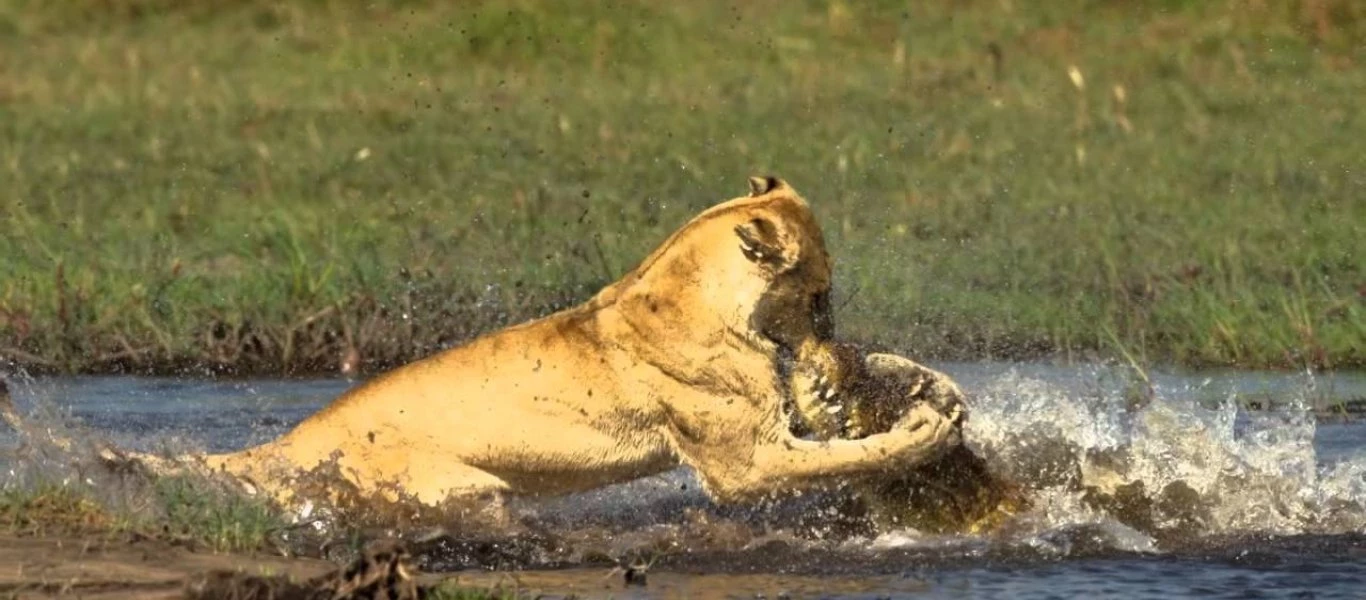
(834, 408)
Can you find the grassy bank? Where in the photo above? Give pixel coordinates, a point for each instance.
(252, 187)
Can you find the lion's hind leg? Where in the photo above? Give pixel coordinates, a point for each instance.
(433, 482)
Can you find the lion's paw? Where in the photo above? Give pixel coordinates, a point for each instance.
(924, 434)
(921, 384)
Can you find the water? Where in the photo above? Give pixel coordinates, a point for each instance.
(1273, 502)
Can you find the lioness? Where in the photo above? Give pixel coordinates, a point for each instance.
(678, 362)
(840, 392)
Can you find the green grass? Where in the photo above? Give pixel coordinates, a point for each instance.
(453, 591)
(177, 508)
(221, 520)
(260, 187)
(52, 508)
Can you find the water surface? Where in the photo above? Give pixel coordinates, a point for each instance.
(1282, 495)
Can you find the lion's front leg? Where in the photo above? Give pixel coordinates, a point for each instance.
(782, 462)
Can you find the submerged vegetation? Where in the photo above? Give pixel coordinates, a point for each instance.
(290, 187)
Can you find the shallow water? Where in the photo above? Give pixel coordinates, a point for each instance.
(1279, 498)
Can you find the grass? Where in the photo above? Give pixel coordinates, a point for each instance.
(452, 591)
(175, 508)
(271, 187)
(222, 521)
(50, 509)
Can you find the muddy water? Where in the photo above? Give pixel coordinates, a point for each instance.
(1273, 502)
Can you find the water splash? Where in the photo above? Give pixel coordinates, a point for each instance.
(1165, 471)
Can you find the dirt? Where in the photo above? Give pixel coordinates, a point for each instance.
(105, 567)
(135, 567)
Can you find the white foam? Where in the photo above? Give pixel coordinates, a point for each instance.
(1253, 471)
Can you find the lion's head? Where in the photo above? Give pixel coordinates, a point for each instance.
(753, 269)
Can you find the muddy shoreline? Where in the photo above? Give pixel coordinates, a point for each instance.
(133, 566)
(122, 566)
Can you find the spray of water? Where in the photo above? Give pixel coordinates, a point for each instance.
(1163, 472)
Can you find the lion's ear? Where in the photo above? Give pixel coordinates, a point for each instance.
(762, 242)
(759, 186)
